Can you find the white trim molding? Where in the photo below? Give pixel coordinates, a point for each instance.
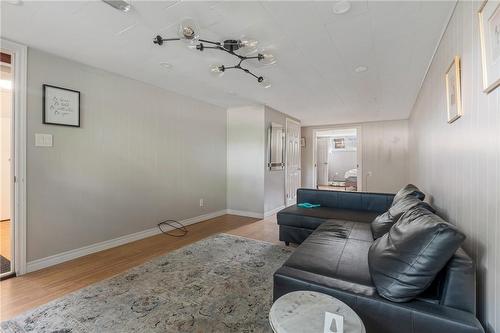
(273, 211)
(245, 213)
(20, 64)
(101, 246)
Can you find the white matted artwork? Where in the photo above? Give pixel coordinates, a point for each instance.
(453, 91)
(489, 26)
(61, 106)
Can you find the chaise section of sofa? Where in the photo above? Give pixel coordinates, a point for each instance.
(335, 262)
(296, 224)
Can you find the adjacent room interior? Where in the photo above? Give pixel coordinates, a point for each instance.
(6, 267)
(337, 160)
(255, 166)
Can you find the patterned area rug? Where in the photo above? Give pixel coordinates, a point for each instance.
(220, 284)
(4, 264)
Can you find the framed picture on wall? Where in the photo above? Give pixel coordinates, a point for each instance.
(303, 142)
(489, 28)
(339, 143)
(61, 106)
(453, 91)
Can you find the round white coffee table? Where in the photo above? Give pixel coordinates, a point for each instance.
(312, 312)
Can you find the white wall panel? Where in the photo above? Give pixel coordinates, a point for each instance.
(142, 155)
(458, 164)
(384, 154)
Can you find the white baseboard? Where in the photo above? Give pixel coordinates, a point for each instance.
(273, 211)
(245, 213)
(101, 246)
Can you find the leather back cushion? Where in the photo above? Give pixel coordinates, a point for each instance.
(383, 223)
(405, 261)
(409, 189)
(405, 204)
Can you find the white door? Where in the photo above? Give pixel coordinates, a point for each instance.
(292, 163)
(322, 160)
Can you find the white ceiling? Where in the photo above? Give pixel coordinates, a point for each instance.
(317, 51)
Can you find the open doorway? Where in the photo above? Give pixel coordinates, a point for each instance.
(337, 159)
(6, 168)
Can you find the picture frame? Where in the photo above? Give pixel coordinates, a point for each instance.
(454, 90)
(303, 142)
(61, 106)
(489, 30)
(339, 143)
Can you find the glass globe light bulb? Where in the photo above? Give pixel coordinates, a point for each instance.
(264, 82)
(217, 70)
(248, 46)
(189, 31)
(267, 58)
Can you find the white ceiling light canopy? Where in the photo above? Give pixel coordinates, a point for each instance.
(166, 65)
(189, 31)
(121, 5)
(360, 69)
(341, 7)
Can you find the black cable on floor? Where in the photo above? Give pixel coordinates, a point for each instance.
(170, 223)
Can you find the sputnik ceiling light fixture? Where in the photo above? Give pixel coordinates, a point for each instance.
(189, 33)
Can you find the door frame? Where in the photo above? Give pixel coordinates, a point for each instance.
(316, 163)
(19, 54)
(359, 150)
(287, 121)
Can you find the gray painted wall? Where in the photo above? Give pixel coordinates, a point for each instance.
(274, 181)
(384, 154)
(458, 164)
(252, 187)
(143, 154)
(245, 158)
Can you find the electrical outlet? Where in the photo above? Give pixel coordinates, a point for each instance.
(201, 203)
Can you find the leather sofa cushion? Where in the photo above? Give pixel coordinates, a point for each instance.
(405, 261)
(311, 218)
(378, 202)
(405, 204)
(383, 223)
(409, 189)
(336, 251)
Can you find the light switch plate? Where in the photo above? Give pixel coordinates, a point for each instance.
(43, 140)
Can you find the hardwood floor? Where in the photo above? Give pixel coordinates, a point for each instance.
(31, 290)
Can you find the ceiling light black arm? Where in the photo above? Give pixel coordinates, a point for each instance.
(259, 78)
(159, 40)
(228, 46)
